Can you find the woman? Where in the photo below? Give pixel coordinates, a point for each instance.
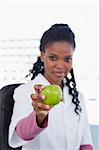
(38, 126)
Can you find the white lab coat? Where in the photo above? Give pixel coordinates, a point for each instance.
(65, 130)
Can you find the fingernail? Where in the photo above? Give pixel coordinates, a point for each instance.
(43, 96)
(47, 107)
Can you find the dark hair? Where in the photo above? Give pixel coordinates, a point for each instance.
(58, 32)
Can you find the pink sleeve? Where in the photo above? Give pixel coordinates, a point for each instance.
(86, 147)
(27, 128)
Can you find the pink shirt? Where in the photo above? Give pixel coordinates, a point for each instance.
(27, 128)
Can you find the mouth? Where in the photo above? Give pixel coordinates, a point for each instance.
(59, 74)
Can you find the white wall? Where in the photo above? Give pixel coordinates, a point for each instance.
(23, 22)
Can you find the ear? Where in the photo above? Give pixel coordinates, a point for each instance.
(42, 56)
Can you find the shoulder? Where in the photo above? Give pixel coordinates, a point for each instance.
(24, 90)
(25, 87)
(29, 85)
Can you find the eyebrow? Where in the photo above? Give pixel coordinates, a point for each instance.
(64, 56)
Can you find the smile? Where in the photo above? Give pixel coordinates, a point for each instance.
(59, 74)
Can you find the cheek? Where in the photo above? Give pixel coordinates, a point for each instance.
(68, 67)
(48, 66)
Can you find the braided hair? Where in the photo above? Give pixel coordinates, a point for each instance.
(58, 32)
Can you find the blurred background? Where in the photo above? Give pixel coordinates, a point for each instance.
(22, 24)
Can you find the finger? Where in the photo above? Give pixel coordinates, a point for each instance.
(46, 107)
(36, 109)
(34, 104)
(37, 105)
(34, 97)
(38, 88)
(41, 97)
(41, 106)
(37, 97)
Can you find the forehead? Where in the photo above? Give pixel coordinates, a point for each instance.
(60, 48)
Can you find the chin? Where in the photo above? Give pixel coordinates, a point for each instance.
(57, 81)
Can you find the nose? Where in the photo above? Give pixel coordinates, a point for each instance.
(60, 65)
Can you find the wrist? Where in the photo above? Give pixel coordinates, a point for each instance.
(40, 117)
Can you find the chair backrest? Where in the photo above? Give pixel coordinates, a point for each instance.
(95, 136)
(6, 109)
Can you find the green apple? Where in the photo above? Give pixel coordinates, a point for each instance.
(53, 94)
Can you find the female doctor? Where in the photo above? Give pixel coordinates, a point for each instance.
(36, 126)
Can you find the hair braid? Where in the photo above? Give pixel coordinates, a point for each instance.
(73, 91)
(38, 67)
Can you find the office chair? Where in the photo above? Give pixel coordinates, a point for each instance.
(95, 136)
(6, 109)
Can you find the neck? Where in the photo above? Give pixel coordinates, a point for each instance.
(54, 82)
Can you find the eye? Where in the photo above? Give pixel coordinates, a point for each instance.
(68, 60)
(53, 58)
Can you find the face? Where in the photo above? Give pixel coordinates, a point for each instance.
(57, 60)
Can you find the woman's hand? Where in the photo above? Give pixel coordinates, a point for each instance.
(40, 108)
